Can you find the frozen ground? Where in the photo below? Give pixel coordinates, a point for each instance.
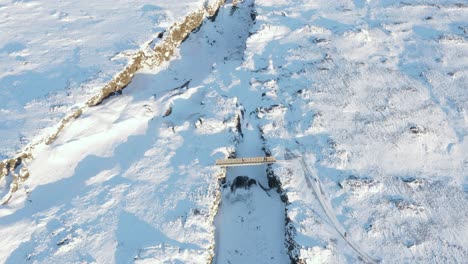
(55, 54)
(374, 96)
(365, 100)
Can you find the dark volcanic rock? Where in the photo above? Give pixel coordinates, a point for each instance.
(242, 182)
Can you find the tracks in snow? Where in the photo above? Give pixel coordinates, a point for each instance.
(314, 184)
(252, 206)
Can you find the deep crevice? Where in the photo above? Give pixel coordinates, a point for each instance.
(274, 182)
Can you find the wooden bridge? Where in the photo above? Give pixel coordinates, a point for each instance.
(245, 161)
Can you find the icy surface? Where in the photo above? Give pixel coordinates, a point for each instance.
(365, 101)
(57, 54)
(376, 103)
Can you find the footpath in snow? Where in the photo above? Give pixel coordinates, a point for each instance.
(371, 94)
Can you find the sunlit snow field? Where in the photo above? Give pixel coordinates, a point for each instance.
(363, 102)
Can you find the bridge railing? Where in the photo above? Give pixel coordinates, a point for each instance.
(245, 161)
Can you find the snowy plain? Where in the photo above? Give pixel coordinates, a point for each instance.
(55, 54)
(366, 101)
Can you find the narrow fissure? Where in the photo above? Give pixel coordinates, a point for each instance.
(250, 224)
(274, 182)
(250, 218)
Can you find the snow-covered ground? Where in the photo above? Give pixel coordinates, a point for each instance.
(54, 55)
(374, 96)
(366, 101)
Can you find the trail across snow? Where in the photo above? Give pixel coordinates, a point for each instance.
(371, 93)
(313, 182)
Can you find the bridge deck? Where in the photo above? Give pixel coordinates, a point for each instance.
(245, 161)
